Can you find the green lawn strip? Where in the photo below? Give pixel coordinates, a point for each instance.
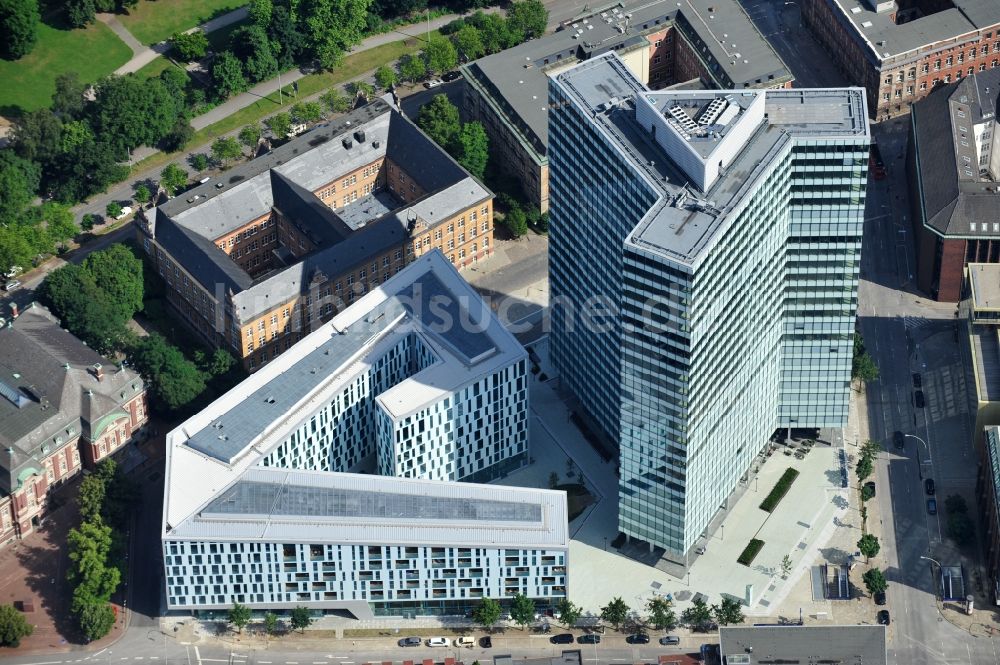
(353, 67)
(154, 68)
(750, 552)
(155, 20)
(92, 53)
(770, 502)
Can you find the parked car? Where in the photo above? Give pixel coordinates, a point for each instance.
(898, 439)
(638, 638)
(880, 598)
(883, 617)
(929, 486)
(670, 640)
(932, 506)
(870, 486)
(451, 76)
(126, 211)
(918, 381)
(589, 639)
(465, 641)
(486, 642)
(433, 83)
(12, 284)
(410, 642)
(561, 638)
(438, 642)
(918, 399)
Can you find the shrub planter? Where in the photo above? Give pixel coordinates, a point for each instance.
(750, 552)
(770, 502)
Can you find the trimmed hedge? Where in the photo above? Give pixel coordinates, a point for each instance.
(750, 552)
(770, 502)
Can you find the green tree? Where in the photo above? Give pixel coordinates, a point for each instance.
(89, 572)
(412, 68)
(615, 612)
(439, 120)
(142, 194)
(239, 616)
(473, 148)
(728, 612)
(875, 581)
(113, 209)
(37, 136)
(661, 613)
(173, 178)
(569, 612)
(260, 12)
(91, 497)
(128, 112)
(250, 136)
(385, 76)
(68, 99)
(864, 467)
(190, 45)
(280, 124)
(175, 379)
(225, 149)
(961, 529)
(487, 613)
(440, 55)
(19, 27)
(869, 546)
(306, 112)
(786, 566)
(527, 19)
(228, 75)
(516, 221)
(698, 616)
(332, 27)
(286, 34)
(335, 101)
(13, 626)
(221, 362)
(871, 449)
(270, 623)
(118, 271)
(493, 32)
(301, 618)
(362, 89)
(199, 161)
(468, 42)
(251, 45)
(522, 610)
(867, 492)
(86, 310)
(863, 367)
(96, 620)
(80, 12)
(19, 179)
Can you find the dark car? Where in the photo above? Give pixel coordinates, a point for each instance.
(898, 439)
(918, 380)
(870, 488)
(929, 486)
(561, 638)
(918, 399)
(638, 638)
(451, 76)
(883, 617)
(589, 639)
(670, 640)
(932, 506)
(486, 642)
(410, 642)
(880, 598)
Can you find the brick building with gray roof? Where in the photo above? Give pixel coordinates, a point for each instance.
(953, 166)
(62, 407)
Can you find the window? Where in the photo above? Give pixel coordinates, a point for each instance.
(961, 58)
(374, 266)
(398, 255)
(284, 313)
(657, 43)
(982, 66)
(437, 234)
(923, 85)
(885, 95)
(260, 326)
(385, 259)
(985, 49)
(461, 222)
(451, 243)
(937, 65)
(250, 333)
(656, 60)
(949, 61)
(461, 238)
(486, 227)
(924, 68)
(898, 94)
(451, 228)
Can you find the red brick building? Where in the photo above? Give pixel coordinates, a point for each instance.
(900, 51)
(62, 407)
(953, 164)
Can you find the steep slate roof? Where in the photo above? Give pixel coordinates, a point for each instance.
(51, 368)
(950, 198)
(284, 179)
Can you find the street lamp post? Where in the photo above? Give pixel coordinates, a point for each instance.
(920, 471)
(940, 567)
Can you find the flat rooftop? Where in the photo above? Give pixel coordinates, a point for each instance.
(803, 645)
(684, 219)
(984, 280)
(885, 39)
(517, 77)
(428, 299)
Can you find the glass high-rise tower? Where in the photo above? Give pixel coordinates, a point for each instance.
(704, 257)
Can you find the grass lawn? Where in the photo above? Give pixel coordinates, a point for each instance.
(152, 22)
(352, 67)
(154, 68)
(27, 84)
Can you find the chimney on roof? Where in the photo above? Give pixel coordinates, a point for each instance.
(97, 370)
(359, 136)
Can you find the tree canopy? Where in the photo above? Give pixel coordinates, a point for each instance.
(615, 612)
(228, 75)
(569, 612)
(698, 616)
(440, 55)
(661, 613)
(527, 19)
(190, 45)
(439, 120)
(332, 27)
(239, 616)
(13, 626)
(19, 27)
(875, 581)
(487, 613)
(301, 618)
(473, 148)
(729, 611)
(175, 379)
(869, 546)
(522, 610)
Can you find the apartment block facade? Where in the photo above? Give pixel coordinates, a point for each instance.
(715, 238)
(63, 408)
(663, 43)
(255, 262)
(900, 52)
(341, 477)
